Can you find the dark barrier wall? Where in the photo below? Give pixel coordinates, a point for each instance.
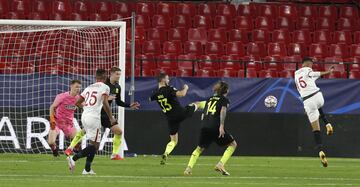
(256, 133)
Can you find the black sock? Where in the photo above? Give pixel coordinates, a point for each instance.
(318, 142)
(90, 158)
(322, 116)
(83, 153)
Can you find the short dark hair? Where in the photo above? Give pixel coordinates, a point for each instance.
(100, 74)
(161, 76)
(114, 69)
(75, 81)
(223, 88)
(307, 59)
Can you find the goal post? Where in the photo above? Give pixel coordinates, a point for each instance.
(38, 59)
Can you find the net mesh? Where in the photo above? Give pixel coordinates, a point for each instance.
(36, 64)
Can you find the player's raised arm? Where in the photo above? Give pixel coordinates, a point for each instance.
(182, 93)
(331, 69)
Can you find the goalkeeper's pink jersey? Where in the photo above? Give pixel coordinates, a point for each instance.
(65, 107)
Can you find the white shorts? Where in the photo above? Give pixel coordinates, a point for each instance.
(312, 106)
(92, 127)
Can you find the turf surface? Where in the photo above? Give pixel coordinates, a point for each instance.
(44, 170)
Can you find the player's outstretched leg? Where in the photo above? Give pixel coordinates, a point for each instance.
(318, 141)
(226, 156)
(52, 142)
(194, 156)
(169, 148)
(79, 135)
(88, 152)
(329, 128)
(116, 142)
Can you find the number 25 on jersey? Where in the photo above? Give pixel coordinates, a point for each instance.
(90, 98)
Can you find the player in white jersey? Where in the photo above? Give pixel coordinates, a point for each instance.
(92, 100)
(313, 100)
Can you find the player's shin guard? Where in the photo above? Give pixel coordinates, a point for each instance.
(227, 154)
(90, 158)
(194, 156)
(170, 147)
(322, 116)
(79, 135)
(318, 141)
(116, 144)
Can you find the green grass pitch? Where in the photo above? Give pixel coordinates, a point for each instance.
(34, 170)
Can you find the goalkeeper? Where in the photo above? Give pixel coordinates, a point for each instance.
(62, 115)
(115, 94)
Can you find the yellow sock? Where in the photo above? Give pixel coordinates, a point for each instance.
(194, 156)
(227, 154)
(201, 104)
(170, 147)
(116, 144)
(79, 135)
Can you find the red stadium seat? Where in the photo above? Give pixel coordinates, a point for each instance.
(206, 9)
(77, 17)
(267, 10)
(302, 36)
(354, 75)
(145, 9)
(291, 61)
(137, 48)
(61, 7)
(142, 21)
(349, 12)
(318, 50)
(334, 75)
(99, 17)
(14, 15)
(355, 50)
(277, 49)
(339, 50)
(256, 49)
(182, 21)
(243, 23)
(177, 34)
(186, 62)
(235, 48)
(355, 66)
(281, 36)
(119, 17)
(217, 35)
(264, 23)
(268, 74)
(172, 47)
(298, 49)
(20, 6)
(122, 8)
(227, 73)
(238, 35)
(103, 7)
(184, 73)
(166, 9)
(328, 11)
(4, 7)
(167, 61)
(305, 23)
(252, 62)
(202, 21)
(286, 74)
(324, 23)
(288, 11)
(322, 36)
(214, 48)
(246, 10)
(273, 63)
(205, 73)
(251, 73)
(231, 62)
(346, 24)
(197, 34)
(285, 23)
(156, 34)
(160, 21)
(151, 47)
(148, 72)
(357, 37)
(38, 16)
(187, 9)
(193, 47)
(333, 62)
(226, 10)
(259, 35)
(139, 34)
(343, 37)
(308, 11)
(241, 73)
(147, 61)
(208, 62)
(223, 22)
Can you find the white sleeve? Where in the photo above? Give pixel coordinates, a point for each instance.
(106, 90)
(83, 94)
(314, 74)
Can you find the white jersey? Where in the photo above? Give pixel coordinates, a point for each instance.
(93, 96)
(305, 81)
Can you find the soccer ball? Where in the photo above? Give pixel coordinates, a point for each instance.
(270, 101)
